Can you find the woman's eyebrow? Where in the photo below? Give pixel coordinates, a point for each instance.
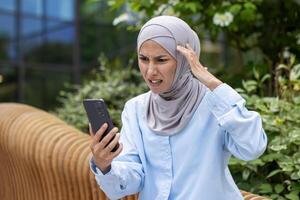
(160, 56)
(142, 55)
(157, 57)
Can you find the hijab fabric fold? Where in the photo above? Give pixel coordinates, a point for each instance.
(169, 112)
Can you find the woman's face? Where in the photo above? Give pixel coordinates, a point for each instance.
(157, 66)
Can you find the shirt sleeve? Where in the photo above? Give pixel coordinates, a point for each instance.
(244, 136)
(126, 175)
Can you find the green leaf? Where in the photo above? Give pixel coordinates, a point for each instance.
(292, 59)
(296, 100)
(192, 6)
(295, 187)
(271, 157)
(255, 73)
(278, 147)
(274, 172)
(265, 188)
(295, 73)
(292, 196)
(115, 4)
(250, 85)
(240, 90)
(235, 8)
(282, 66)
(246, 173)
(247, 15)
(295, 176)
(249, 5)
(278, 188)
(145, 3)
(265, 77)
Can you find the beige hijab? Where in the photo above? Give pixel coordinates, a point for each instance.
(168, 113)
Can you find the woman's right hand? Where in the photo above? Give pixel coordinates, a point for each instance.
(102, 151)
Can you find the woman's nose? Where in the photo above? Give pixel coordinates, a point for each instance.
(152, 70)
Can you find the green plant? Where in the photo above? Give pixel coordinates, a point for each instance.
(257, 28)
(114, 85)
(277, 172)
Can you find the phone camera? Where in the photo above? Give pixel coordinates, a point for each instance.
(100, 111)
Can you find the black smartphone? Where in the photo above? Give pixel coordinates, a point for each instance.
(98, 115)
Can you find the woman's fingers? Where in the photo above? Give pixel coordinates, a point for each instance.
(188, 52)
(112, 155)
(105, 151)
(182, 50)
(189, 47)
(191, 56)
(102, 150)
(99, 134)
(113, 142)
(106, 140)
(90, 130)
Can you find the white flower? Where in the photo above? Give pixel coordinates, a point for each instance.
(223, 19)
(125, 17)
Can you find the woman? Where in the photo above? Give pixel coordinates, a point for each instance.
(177, 138)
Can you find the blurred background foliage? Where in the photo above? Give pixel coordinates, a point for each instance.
(253, 45)
(114, 85)
(277, 172)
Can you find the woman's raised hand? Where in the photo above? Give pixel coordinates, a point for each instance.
(197, 69)
(102, 151)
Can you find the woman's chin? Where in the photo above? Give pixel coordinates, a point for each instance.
(155, 91)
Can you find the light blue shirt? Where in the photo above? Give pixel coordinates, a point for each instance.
(192, 164)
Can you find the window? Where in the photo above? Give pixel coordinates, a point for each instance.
(7, 26)
(33, 7)
(7, 5)
(63, 10)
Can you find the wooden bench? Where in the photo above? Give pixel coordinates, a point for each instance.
(43, 158)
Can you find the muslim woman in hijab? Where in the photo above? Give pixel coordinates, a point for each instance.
(177, 138)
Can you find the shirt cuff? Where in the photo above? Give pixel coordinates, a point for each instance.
(96, 170)
(222, 99)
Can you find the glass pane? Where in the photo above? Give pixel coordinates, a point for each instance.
(31, 26)
(3, 48)
(7, 26)
(53, 25)
(43, 86)
(32, 49)
(64, 35)
(7, 5)
(61, 9)
(11, 51)
(55, 50)
(32, 7)
(8, 83)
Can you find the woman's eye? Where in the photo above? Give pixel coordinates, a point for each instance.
(143, 58)
(162, 60)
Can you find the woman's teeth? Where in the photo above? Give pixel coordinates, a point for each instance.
(155, 81)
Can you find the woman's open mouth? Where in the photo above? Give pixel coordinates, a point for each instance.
(155, 83)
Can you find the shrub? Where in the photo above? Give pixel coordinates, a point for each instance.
(115, 86)
(277, 172)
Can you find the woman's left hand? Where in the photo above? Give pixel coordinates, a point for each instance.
(197, 69)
